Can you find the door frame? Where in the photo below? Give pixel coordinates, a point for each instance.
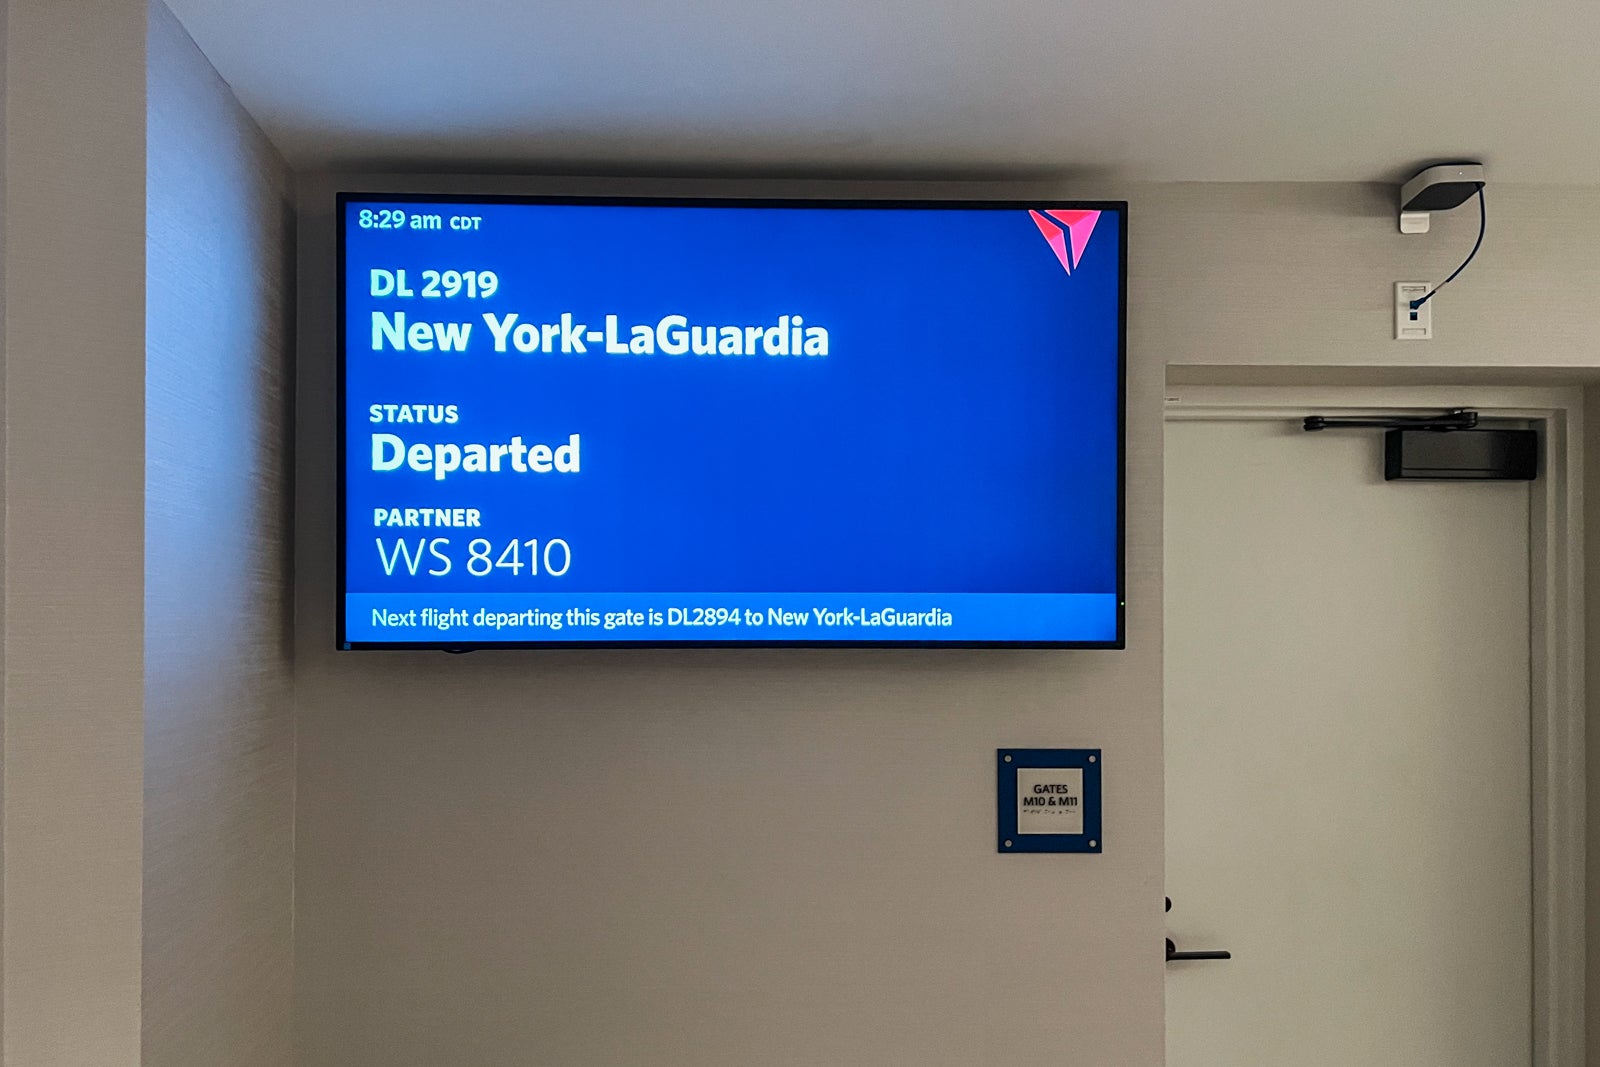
(1556, 650)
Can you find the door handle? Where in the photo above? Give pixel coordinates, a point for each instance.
(1174, 956)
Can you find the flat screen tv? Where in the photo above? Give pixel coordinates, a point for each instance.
(596, 422)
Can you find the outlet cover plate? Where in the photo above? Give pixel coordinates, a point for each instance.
(1412, 325)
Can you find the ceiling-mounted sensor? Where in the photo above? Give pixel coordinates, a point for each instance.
(1439, 188)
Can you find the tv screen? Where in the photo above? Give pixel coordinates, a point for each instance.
(722, 422)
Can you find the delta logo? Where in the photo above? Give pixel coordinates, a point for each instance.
(1067, 233)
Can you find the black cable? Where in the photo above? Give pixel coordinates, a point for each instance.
(1483, 224)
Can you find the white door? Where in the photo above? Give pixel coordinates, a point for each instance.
(1347, 756)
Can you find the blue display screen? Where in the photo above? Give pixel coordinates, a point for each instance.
(711, 422)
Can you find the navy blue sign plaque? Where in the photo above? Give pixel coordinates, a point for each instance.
(1049, 800)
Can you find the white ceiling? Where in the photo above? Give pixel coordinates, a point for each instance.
(1231, 90)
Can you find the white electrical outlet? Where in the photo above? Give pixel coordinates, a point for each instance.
(1412, 325)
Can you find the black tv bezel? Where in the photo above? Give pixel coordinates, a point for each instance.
(1120, 207)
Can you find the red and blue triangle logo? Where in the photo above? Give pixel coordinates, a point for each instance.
(1067, 233)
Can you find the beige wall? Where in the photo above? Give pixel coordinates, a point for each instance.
(74, 485)
(4, 95)
(218, 729)
(1329, 255)
(717, 857)
(786, 857)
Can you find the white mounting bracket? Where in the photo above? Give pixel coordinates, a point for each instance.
(1414, 221)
